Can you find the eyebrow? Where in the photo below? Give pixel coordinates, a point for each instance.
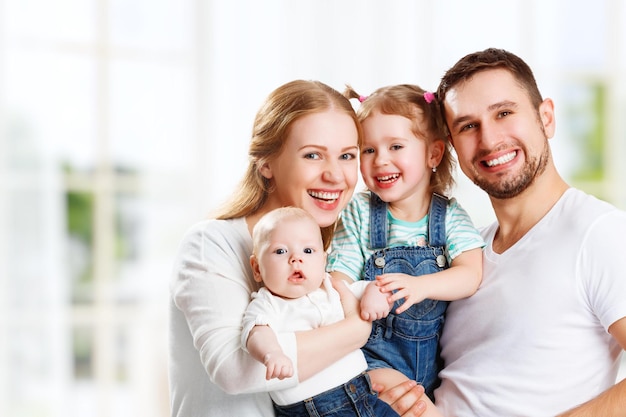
(324, 148)
(499, 105)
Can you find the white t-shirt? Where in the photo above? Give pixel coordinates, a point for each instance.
(319, 308)
(533, 340)
(210, 291)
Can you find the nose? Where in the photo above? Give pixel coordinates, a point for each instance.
(381, 158)
(332, 172)
(295, 257)
(489, 135)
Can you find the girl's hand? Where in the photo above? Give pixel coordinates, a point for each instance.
(406, 287)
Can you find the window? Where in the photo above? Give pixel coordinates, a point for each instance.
(97, 105)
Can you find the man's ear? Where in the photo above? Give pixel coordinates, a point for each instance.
(546, 112)
(254, 263)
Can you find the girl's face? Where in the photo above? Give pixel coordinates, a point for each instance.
(317, 168)
(292, 262)
(395, 163)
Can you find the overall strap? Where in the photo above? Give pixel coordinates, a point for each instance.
(378, 222)
(437, 220)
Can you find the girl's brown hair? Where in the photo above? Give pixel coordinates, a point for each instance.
(422, 108)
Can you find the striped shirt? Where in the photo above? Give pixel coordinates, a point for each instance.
(350, 246)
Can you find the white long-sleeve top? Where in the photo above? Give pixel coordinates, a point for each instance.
(210, 291)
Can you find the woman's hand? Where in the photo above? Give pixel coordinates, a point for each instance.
(407, 398)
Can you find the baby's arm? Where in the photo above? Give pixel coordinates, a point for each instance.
(374, 304)
(264, 347)
(459, 281)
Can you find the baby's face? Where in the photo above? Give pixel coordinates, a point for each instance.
(292, 262)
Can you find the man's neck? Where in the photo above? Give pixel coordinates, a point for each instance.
(517, 215)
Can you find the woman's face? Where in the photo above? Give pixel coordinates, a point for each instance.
(317, 169)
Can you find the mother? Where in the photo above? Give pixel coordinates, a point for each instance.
(303, 153)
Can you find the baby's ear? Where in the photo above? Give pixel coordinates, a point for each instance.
(256, 273)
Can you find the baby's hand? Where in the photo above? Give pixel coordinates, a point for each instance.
(278, 366)
(374, 304)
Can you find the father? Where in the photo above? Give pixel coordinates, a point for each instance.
(545, 331)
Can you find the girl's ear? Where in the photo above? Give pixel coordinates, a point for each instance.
(254, 263)
(436, 149)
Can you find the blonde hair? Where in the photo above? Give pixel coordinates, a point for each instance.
(407, 100)
(267, 224)
(283, 106)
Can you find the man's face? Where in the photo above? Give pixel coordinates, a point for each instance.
(501, 141)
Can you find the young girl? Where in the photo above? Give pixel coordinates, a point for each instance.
(288, 257)
(419, 247)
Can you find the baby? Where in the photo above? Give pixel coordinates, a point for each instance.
(289, 258)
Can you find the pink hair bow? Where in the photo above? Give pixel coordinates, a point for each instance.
(429, 97)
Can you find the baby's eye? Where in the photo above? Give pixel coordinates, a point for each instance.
(308, 250)
(280, 251)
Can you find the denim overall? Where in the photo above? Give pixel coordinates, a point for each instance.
(408, 342)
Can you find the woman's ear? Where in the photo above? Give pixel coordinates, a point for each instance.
(256, 272)
(265, 170)
(436, 150)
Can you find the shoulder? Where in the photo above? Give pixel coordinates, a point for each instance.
(213, 236)
(360, 199)
(212, 229)
(264, 297)
(590, 215)
(358, 207)
(585, 206)
(455, 212)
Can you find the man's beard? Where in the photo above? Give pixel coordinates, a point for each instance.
(512, 187)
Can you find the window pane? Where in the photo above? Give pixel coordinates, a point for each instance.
(151, 116)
